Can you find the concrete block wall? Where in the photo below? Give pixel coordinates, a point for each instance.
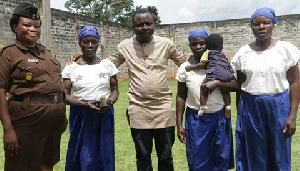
(65, 27)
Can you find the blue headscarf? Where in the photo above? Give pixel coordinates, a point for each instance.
(198, 33)
(88, 31)
(268, 12)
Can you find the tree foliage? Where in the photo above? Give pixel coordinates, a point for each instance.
(107, 10)
(119, 11)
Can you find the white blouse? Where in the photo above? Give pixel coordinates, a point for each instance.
(193, 80)
(90, 82)
(266, 71)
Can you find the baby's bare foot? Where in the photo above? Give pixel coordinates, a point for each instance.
(227, 111)
(202, 110)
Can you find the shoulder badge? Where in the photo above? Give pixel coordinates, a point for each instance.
(51, 51)
(2, 48)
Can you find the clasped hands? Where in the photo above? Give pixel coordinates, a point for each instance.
(98, 107)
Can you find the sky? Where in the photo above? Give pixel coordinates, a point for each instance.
(187, 11)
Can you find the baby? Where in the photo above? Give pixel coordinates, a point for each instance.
(217, 68)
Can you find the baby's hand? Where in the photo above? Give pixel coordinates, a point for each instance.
(188, 68)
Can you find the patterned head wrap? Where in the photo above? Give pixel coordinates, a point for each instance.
(268, 12)
(88, 31)
(198, 33)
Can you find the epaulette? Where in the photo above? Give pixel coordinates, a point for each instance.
(51, 51)
(2, 48)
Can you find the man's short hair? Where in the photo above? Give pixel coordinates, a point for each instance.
(140, 11)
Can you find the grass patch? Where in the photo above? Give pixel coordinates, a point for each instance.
(125, 151)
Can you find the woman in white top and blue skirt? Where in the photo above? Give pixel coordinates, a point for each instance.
(268, 76)
(208, 139)
(91, 145)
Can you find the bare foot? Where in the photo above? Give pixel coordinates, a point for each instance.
(227, 111)
(202, 110)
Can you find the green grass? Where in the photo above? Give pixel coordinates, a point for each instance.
(125, 152)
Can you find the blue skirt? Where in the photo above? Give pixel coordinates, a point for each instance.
(260, 142)
(91, 145)
(209, 144)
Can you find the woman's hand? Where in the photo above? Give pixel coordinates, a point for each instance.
(180, 106)
(10, 139)
(104, 109)
(95, 105)
(293, 78)
(210, 86)
(290, 126)
(181, 134)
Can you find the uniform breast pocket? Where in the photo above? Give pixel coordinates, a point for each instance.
(56, 67)
(27, 72)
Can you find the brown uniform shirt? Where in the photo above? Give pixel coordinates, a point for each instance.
(22, 71)
(150, 98)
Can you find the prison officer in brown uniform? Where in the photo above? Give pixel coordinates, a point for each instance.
(33, 118)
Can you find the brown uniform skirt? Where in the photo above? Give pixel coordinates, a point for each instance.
(39, 128)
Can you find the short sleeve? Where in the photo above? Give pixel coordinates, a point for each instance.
(204, 56)
(117, 58)
(293, 55)
(176, 55)
(181, 73)
(112, 68)
(236, 61)
(66, 73)
(5, 71)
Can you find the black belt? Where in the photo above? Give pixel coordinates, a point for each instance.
(52, 98)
